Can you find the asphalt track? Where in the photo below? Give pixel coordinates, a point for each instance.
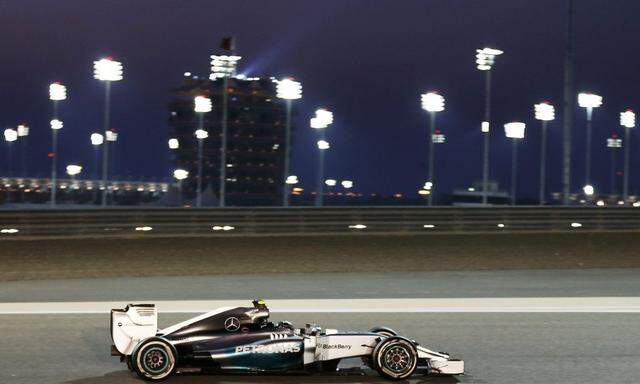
(505, 283)
(548, 347)
(497, 348)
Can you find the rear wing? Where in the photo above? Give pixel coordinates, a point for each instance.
(132, 324)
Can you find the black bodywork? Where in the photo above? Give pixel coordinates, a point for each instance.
(238, 339)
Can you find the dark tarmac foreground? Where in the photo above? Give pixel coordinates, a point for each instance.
(497, 348)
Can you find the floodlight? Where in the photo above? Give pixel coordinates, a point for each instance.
(514, 130)
(97, 139)
(57, 92)
(289, 89)
(545, 112)
(202, 134)
(107, 70)
(202, 104)
(432, 102)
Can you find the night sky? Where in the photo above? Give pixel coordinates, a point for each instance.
(366, 60)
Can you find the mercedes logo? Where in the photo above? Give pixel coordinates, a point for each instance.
(232, 324)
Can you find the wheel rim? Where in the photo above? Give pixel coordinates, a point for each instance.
(155, 360)
(397, 359)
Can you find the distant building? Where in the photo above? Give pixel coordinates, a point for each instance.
(255, 140)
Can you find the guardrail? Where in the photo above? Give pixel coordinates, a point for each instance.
(300, 221)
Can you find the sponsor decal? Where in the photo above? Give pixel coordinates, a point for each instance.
(334, 346)
(232, 324)
(269, 348)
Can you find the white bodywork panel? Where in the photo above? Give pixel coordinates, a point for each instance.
(129, 327)
(343, 345)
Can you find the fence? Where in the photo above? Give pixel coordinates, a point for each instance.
(299, 221)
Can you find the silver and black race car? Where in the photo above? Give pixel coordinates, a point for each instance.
(243, 339)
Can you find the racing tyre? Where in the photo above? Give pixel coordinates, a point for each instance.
(154, 359)
(395, 358)
(384, 331)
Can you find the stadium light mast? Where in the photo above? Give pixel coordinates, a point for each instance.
(515, 132)
(614, 143)
(180, 174)
(223, 67)
(433, 103)
(485, 58)
(322, 119)
(201, 106)
(57, 93)
(10, 135)
(589, 101)
(23, 135)
(628, 121)
(108, 71)
(545, 113)
(288, 89)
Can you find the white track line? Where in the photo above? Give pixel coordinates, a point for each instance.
(452, 305)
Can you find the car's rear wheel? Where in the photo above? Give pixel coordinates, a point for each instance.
(154, 359)
(395, 358)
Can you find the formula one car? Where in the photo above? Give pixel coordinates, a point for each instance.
(244, 340)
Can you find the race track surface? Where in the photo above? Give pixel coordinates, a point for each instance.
(506, 283)
(510, 348)
(497, 348)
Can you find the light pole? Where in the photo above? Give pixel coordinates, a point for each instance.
(10, 135)
(23, 134)
(614, 143)
(107, 70)
(589, 101)
(180, 174)
(628, 121)
(320, 122)
(288, 89)
(544, 112)
(515, 132)
(432, 103)
(97, 140)
(73, 170)
(224, 66)
(485, 58)
(201, 106)
(290, 182)
(57, 93)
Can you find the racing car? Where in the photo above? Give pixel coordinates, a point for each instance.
(243, 339)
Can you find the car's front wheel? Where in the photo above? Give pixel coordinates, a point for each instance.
(395, 358)
(154, 359)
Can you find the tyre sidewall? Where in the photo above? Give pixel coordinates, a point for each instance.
(381, 348)
(137, 357)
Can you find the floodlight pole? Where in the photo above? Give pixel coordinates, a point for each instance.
(587, 160)
(319, 200)
(200, 156)
(514, 170)
(287, 154)
(432, 124)
(105, 148)
(54, 158)
(613, 171)
(625, 175)
(223, 145)
(543, 164)
(485, 161)
(569, 102)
